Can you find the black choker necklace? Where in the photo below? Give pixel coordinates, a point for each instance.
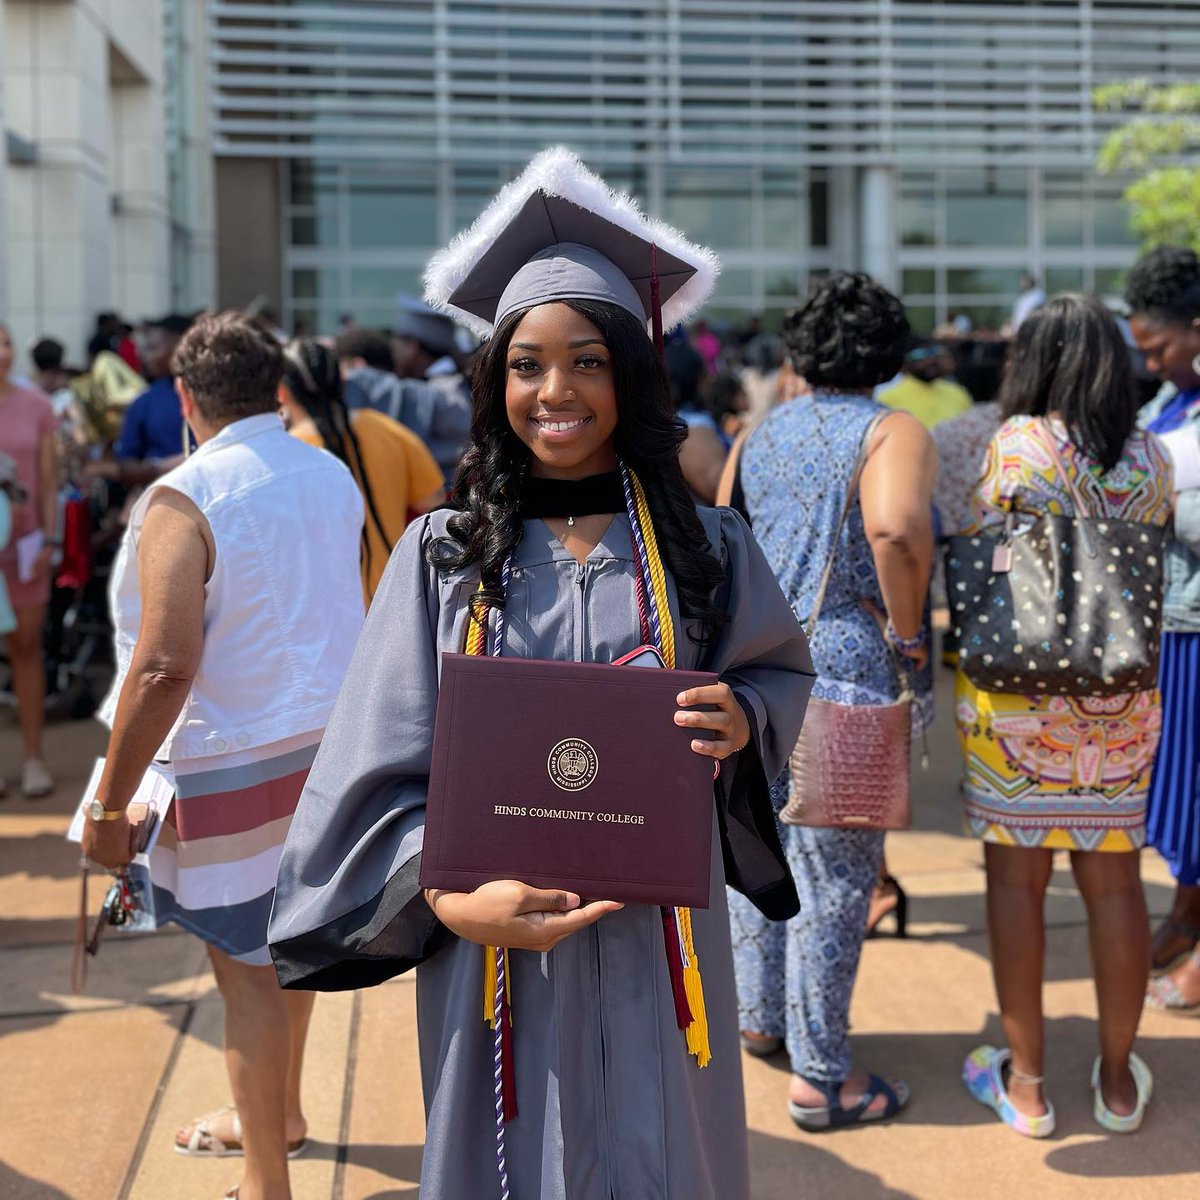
(572, 498)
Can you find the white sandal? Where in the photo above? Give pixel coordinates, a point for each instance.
(203, 1143)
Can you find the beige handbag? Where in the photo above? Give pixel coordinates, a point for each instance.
(850, 769)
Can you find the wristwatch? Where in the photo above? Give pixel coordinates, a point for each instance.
(98, 812)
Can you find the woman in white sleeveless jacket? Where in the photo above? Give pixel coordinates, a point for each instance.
(237, 603)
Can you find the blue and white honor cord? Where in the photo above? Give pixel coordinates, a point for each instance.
(496, 648)
(501, 1161)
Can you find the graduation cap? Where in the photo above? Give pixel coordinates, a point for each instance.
(559, 232)
(416, 320)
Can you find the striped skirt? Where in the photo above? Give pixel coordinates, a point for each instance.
(1173, 816)
(217, 857)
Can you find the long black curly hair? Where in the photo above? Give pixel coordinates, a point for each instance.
(850, 335)
(1164, 284)
(491, 475)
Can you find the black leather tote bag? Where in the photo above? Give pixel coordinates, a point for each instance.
(1071, 606)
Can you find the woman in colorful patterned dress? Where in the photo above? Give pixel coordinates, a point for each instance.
(1065, 773)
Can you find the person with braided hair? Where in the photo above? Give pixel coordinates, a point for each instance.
(578, 541)
(397, 475)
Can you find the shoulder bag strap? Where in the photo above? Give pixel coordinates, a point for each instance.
(1082, 509)
(729, 490)
(851, 492)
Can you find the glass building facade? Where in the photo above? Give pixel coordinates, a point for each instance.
(946, 146)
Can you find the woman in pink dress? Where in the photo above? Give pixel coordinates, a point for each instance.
(27, 436)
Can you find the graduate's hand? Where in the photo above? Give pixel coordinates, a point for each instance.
(728, 722)
(513, 914)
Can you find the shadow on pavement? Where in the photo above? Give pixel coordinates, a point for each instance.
(778, 1164)
(1109, 1157)
(396, 1162)
(15, 1186)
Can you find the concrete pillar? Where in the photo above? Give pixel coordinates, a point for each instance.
(877, 222)
(249, 253)
(843, 217)
(192, 176)
(85, 223)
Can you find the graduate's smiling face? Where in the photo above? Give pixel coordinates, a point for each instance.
(559, 393)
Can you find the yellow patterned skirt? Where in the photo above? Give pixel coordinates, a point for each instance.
(1058, 772)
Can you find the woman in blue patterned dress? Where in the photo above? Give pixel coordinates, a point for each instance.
(795, 980)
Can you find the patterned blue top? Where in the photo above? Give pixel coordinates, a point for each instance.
(795, 472)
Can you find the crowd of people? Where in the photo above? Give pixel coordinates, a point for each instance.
(279, 616)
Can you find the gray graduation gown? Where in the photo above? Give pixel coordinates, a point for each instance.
(611, 1106)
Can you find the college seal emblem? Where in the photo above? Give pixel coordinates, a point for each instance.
(572, 765)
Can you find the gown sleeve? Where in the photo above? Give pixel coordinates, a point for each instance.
(348, 909)
(762, 654)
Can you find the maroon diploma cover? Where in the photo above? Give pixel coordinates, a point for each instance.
(568, 775)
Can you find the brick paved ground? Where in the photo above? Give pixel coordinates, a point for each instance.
(92, 1087)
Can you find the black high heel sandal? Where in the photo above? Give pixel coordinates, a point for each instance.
(898, 907)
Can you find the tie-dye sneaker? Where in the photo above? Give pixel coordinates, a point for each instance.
(983, 1074)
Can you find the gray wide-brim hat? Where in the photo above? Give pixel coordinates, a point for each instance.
(416, 320)
(559, 232)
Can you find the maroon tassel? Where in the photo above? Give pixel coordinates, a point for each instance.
(656, 302)
(683, 1010)
(508, 1077)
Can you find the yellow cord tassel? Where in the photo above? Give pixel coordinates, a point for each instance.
(489, 985)
(693, 985)
(476, 635)
(658, 578)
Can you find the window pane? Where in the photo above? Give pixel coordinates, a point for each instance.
(818, 211)
(919, 281)
(313, 182)
(1110, 281)
(320, 229)
(781, 210)
(389, 208)
(711, 206)
(309, 284)
(735, 283)
(782, 286)
(921, 318)
(474, 186)
(986, 316)
(1063, 279)
(984, 281)
(1062, 209)
(986, 208)
(917, 210)
(383, 283)
(1110, 221)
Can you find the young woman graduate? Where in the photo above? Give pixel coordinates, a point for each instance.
(618, 1074)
